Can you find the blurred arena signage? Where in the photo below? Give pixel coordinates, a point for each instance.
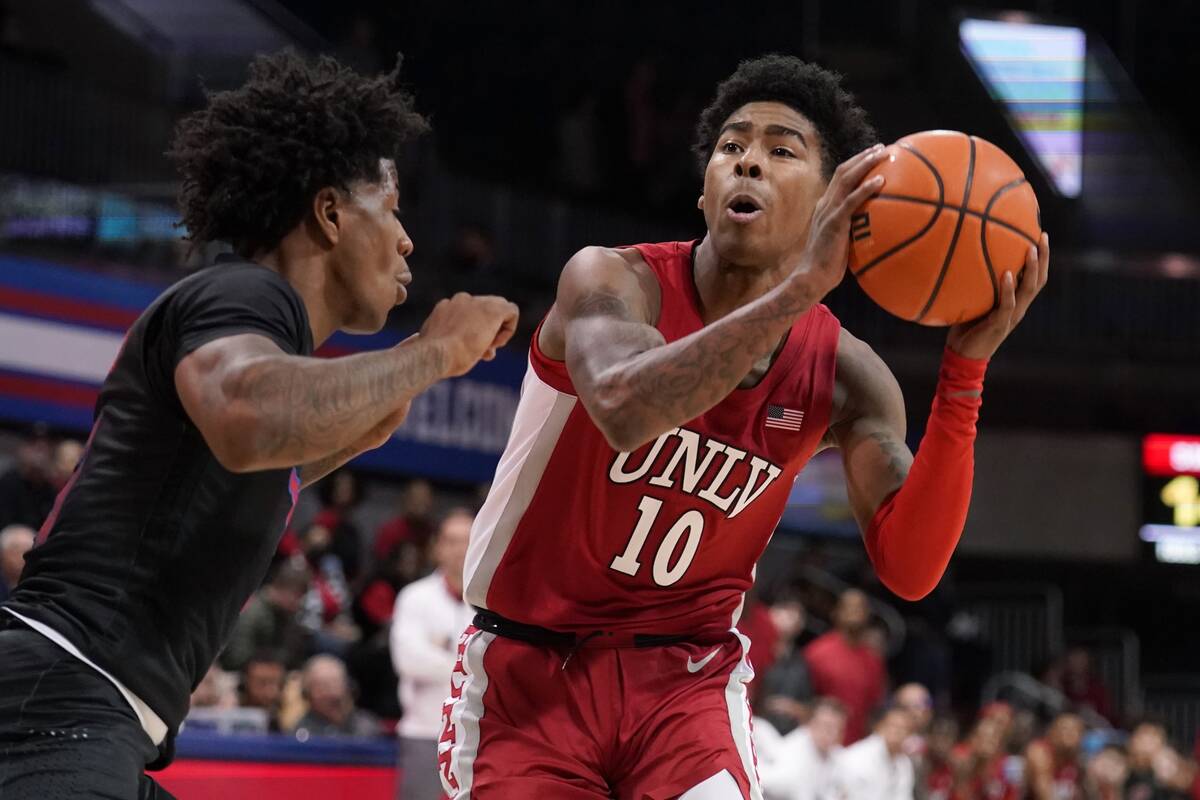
(1037, 74)
(61, 328)
(1171, 493)
(34, 209)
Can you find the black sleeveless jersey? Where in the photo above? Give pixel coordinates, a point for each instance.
(153, 547)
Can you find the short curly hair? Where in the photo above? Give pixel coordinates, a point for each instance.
(253, 158)
(811, 90)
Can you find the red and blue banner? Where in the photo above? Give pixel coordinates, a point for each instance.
(271, 766)
(61, 329)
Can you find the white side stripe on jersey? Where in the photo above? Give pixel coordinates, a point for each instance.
(541, 415)
(464, 713)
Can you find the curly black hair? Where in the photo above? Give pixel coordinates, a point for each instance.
(811, 90)
(254, 157)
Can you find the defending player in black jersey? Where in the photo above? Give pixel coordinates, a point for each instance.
(213, 418)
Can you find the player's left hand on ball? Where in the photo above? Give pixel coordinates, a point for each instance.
(982, 337)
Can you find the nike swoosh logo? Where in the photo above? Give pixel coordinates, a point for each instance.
(696, 666)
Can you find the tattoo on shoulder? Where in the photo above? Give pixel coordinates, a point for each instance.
(601, 304)
(896, 453)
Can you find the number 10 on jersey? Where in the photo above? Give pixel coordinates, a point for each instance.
(691, 525)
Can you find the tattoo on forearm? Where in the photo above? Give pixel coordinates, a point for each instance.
(681, 380)
(898, 457)
(313, 471)
(315, 406)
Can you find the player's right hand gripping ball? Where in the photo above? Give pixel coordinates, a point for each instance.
(954, 215)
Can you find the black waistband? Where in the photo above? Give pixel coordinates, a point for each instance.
(535, 634)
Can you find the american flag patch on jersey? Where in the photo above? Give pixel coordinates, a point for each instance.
(787, 418)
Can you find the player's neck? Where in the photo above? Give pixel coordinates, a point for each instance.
(724, 286)
(306, 272)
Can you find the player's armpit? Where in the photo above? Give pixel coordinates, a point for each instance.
(911, 510)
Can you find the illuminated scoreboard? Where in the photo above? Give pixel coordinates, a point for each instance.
(1171, 497)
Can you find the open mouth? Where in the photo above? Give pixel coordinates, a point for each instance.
(743, 209)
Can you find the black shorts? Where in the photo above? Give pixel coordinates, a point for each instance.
(65, 730)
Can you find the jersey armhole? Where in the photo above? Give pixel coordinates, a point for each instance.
(828, 333)
(551, 372)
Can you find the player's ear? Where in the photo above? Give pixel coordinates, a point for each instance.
(325, 205)
(700, 203)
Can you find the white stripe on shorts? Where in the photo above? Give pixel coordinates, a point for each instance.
(738, 702)
(465, 713)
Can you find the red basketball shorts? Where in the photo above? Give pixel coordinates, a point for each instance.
(631, 723)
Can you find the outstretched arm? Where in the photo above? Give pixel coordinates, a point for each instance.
(259, 408)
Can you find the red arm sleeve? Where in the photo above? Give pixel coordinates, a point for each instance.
(916, 529)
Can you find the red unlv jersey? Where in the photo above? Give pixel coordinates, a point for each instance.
(575, 536)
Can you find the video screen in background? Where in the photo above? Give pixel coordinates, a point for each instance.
(1036, 73)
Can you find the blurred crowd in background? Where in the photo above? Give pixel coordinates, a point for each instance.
(354, 632)
(569, 128)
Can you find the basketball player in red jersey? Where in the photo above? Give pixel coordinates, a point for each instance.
(674, 392)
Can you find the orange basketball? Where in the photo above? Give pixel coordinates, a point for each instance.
(954, 215)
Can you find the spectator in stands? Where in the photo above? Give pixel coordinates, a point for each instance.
(1018, 727)
(216, 690)
(877, 767)
(1106, 774)
(261, 685)
(843, 666)
(373, 606)
(15, 542)
(331, 711)
(269, 621)
(326, 608)
(66, 457)
(786, 691)
(1156, 770)
(339, 495)
(412, 525)
(801, 765)
(1054, 763)
(1173, 775)
(1083, 687)
(1147, 739)
(982, 768)
(429, 618)
(934, 773)
(26, 491)
(915, 699)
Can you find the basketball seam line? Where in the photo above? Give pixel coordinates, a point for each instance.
(984, 219)
(962, 210)
(937, 287)
(932, 220)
